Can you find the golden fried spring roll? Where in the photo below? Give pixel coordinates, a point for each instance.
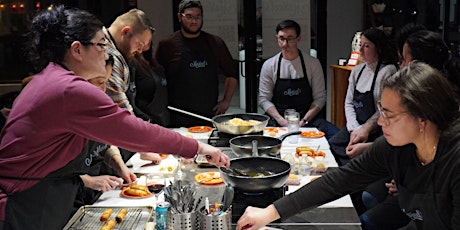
(106, 214)
(121, 215)
(109, 225)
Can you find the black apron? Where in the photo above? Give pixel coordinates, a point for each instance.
(364, 103)
(57, 193)
(292, 93)
(152, 94)
(194, 87)
(417, 205)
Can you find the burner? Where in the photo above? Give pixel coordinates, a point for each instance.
(244, 199)
(221, 139)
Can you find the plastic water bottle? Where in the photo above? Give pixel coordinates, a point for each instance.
(304, 166)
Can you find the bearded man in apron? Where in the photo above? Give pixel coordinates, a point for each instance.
(292, 80)
(193, 60)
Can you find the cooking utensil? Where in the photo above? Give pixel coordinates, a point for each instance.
(242, 145)
(227, 198)
(279, 172)
(220, 121)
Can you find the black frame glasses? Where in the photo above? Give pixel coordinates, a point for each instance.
(102, 46)
(286, 39)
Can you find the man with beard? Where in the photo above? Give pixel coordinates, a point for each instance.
(193, 60)
(130, 34)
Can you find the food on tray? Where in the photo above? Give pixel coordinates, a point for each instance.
(240, 122)
(136, 191)
(312, 134)
(199, 129)
(121, 215)
(314, 178)
(106, 214)
(109, 225)
(305, 150)
(209, 178)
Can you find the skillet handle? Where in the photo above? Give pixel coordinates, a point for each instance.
(191, 114)
(282, 137)
(255, 151)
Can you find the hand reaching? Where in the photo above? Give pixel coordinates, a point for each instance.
(255, 218)
(101, 183)
(213, 155)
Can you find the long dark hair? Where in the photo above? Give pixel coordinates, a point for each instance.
(386, 48)
(53, 31)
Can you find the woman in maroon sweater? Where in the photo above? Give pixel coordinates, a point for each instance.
(55, 115)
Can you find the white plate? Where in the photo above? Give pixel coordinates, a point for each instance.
(145, 167)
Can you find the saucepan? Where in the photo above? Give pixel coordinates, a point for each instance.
(256, 174)
(242, 145)
(221, 121)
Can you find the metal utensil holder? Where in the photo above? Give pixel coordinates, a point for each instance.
(222, 221)
(183, 221)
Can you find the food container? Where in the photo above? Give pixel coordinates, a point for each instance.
(88, 217)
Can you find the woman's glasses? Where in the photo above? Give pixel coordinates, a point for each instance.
(102, 45)
(387, 118)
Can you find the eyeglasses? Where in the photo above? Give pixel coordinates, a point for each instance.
(287, 39)
(102, 46)
(387, 119)
(191, 17)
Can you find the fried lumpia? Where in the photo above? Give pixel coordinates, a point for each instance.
(121, 215)
(109, 225)
(106, 214)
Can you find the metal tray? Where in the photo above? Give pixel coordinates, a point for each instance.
(87, 217)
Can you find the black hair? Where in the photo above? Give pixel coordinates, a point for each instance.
(384, 45)
(429, 47)
(53, 31)
(288, 24)
(185, 4)
(405, 31)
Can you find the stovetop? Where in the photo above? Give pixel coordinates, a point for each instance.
(243, 199)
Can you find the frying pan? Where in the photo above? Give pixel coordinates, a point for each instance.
(220, 121)
(277, 169)
(242, 145)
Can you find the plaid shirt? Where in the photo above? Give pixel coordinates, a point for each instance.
(118, 83)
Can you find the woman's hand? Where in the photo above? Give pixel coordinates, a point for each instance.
(154, 157)
(101, 183)
(356, 149)
(213, 155)
(255, 218)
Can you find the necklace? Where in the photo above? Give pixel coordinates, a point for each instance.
(433, 152)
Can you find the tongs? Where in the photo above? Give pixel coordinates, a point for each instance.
(237, 172)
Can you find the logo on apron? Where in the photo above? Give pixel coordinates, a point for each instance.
(198, 64)
(292, 92)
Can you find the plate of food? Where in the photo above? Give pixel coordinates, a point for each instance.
(312, 134)
(199, 129)
(135, 191)
(209, 178)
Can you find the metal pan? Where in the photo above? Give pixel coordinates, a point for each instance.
(242, 145)
(278, 169)
(220, 121)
